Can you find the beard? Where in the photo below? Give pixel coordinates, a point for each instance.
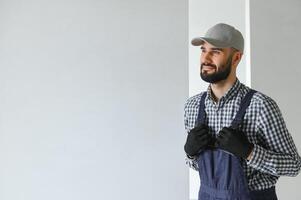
(218, 75)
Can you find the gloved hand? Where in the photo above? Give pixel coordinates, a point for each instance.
(234, 141)
(197, 140)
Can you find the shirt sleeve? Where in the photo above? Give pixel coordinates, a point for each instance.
(277, 155)
(190, 161)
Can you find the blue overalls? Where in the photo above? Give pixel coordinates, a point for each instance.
(221, 173)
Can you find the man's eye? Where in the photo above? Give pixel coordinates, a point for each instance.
(216, 52)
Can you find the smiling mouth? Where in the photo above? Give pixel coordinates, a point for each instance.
(208, 68)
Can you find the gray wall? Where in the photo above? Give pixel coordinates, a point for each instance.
(276, 70)
(91, 99)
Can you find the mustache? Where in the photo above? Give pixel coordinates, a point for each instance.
(208, 64)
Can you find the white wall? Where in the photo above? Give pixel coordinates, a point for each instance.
(91, 99)
(275, 68)
(203, 15)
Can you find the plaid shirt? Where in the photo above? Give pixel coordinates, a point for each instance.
(274, 154)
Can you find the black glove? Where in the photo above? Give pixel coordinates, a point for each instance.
(235, 142)
(197, 140)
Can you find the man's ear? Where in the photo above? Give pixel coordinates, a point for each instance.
(237, 55)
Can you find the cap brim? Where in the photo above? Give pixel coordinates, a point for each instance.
(217, 43)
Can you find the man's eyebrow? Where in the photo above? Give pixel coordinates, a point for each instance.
(219, 49)
(214, 48)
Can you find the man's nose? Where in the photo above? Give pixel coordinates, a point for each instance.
(205, 58)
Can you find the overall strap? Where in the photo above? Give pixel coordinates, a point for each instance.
(242, 109)
(202, 114)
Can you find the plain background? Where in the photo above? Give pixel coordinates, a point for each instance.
(91, 99)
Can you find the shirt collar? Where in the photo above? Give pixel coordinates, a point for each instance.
(229, 94)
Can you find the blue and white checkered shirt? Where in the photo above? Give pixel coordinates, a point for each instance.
(274, 154)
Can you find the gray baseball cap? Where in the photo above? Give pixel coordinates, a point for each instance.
(221, 35)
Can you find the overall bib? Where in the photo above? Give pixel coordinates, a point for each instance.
(221, 173)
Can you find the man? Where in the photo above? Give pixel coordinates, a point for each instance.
(237, 138)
